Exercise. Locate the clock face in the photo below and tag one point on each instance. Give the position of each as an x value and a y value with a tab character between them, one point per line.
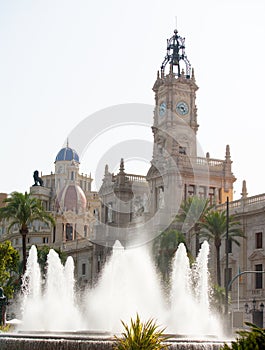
182	108
162	109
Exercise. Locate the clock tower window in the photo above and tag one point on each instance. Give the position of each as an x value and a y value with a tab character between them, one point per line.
182	150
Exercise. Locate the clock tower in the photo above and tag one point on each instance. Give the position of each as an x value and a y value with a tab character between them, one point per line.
175	94
177	172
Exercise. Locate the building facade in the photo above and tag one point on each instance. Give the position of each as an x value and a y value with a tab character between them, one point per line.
246	262
129	207
67	195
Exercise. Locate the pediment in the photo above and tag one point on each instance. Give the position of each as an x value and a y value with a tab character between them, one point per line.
257	255
69	215
152	172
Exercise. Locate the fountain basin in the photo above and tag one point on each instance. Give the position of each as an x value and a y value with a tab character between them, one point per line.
89	341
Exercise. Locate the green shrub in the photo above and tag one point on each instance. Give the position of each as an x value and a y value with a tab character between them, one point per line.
5	328
254	339
141	336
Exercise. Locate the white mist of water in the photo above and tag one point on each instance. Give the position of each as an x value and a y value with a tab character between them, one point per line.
129	284
50	306
189	311
31	288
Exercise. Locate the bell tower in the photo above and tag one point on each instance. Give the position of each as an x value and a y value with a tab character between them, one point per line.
175	116
177	172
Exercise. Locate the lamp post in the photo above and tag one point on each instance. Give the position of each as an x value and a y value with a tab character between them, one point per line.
226	256
257	314
3	303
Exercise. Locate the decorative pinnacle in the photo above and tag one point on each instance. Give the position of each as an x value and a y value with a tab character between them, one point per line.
227	152
106	170
244	193
122	166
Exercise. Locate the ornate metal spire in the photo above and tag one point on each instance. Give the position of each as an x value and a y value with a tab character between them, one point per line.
176	54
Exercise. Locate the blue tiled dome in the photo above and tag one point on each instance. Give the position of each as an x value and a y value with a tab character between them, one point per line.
67	153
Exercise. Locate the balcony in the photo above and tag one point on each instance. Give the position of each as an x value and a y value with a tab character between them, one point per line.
253	202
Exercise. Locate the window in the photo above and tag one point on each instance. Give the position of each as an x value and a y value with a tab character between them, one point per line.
45	240
96	214
182	150
220	195
69	232
191	190
211	195
85	231
258	240
201	192
83	269
99	265
54	233
258	276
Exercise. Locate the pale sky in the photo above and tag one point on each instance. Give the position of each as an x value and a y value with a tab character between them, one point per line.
63	60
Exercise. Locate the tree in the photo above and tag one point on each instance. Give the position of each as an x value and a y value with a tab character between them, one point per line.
42	256
218	298
192	212
9	261
213	228
164	249
22	210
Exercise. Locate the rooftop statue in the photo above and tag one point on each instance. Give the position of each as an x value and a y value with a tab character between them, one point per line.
37	179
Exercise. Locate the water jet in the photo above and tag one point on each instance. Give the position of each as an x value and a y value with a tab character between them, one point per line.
53	313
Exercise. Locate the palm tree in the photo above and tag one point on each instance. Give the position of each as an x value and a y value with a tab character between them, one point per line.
218	298
43	253
22	209
214	227
164	248
192	212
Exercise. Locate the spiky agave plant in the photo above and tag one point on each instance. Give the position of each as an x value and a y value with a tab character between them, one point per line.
141	335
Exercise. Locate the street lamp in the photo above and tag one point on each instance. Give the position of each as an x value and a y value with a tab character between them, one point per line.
254	303
257	314
3	303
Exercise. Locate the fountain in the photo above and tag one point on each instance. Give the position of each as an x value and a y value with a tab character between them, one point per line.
53	314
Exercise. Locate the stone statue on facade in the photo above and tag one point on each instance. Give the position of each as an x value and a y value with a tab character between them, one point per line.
161	199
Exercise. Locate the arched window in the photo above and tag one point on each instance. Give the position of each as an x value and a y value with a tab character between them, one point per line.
69	232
